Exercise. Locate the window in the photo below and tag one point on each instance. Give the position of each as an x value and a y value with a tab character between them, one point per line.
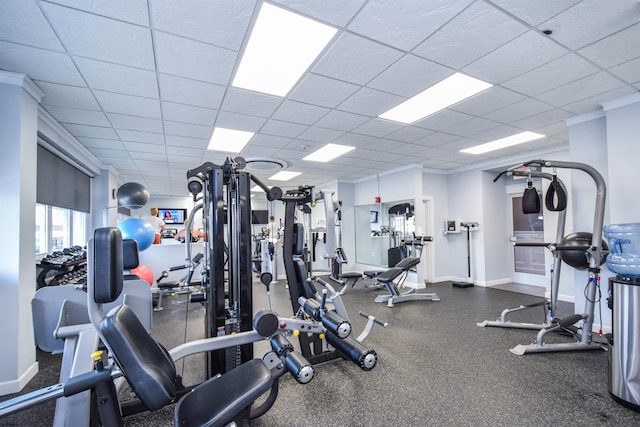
59	228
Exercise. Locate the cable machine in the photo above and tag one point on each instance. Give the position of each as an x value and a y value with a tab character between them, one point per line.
227	275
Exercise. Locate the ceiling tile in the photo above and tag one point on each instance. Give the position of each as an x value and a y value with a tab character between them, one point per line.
155	157
118	78
270	141
490	100
190	92
222	23
442	120
102	38
475	32
323	91
354	139
109	144
319	134
141	147
593	103
127	104
112	156
355	59
520	55
184	151
471	127
282	128
124	10
90	131
409	76
135	136
188	113
77	116
404	23
554	74
525	108
68	96
186	129
258	151
535	12
237	121
185	141
252	103
298	112
581	89
544	118
39	64
378	127
370	102
629	71
617	48
437	139
341	120
192	59
23	22
338	12
409	134
122	121
592	20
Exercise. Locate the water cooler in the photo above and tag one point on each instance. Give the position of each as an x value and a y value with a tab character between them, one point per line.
624	302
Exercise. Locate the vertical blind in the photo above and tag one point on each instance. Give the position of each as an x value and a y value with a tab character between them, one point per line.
60	184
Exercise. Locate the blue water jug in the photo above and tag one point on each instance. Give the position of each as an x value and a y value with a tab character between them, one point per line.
624	243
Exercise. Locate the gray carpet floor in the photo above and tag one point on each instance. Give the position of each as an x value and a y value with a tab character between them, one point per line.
435	368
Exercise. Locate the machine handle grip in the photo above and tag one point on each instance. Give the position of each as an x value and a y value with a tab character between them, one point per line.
366	316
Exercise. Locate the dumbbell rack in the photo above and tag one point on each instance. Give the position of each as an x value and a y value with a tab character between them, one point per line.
66	267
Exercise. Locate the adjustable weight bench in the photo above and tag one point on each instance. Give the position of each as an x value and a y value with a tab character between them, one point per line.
394	278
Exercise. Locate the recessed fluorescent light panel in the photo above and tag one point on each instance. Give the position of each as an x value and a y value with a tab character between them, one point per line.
516	139
229	140
281	48
284	176
449	91
328	152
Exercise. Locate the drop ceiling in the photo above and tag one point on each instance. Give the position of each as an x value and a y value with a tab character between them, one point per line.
142	84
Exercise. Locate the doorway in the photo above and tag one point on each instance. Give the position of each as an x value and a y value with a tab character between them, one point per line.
528	262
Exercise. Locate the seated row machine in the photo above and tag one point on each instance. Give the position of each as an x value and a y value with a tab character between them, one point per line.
394	278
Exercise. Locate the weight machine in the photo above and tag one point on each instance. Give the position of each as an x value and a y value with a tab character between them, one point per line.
227	275
304	297
589	249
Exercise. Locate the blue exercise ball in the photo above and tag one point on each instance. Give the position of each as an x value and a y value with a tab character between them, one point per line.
139	230
132	195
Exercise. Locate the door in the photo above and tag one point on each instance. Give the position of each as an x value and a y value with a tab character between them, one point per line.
528	261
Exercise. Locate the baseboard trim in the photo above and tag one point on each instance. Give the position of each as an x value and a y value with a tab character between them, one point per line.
14	386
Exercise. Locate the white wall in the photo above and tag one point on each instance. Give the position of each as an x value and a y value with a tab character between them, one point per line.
466	204
19	99
436	187
623	152
588	145
495	248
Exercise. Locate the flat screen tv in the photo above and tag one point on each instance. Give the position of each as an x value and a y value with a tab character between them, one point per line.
173	216
374	216
259	216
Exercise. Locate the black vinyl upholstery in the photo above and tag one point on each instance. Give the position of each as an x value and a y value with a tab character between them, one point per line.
389	275
224	397
408	263
130	259
298	239
146	364
307	289
107	265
